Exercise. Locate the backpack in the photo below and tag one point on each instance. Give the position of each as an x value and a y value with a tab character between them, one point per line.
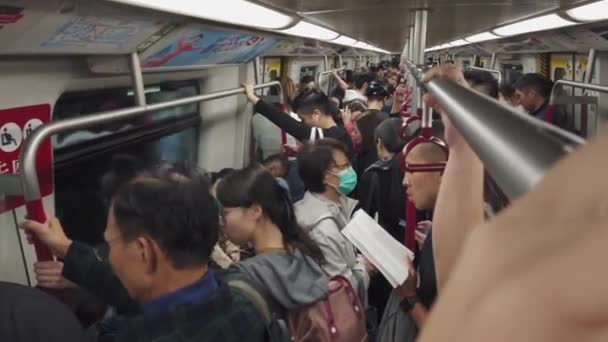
338	318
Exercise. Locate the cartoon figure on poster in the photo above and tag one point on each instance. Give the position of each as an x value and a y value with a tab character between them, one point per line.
206	47
185	43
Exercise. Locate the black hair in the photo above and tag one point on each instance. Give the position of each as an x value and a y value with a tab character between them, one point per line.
482	81
361	79
276	158
254	185
315	159
389	133
357	106
338	93
537	82
215	176
172	205
123	168
395	64
306	79
377	90
507	90
307	102
349	76
367	124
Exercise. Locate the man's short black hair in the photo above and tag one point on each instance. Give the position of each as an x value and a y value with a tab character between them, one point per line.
389	133
537	82
361	79
306	79
175	209
307	102
275	158
482	81
315	159
507	90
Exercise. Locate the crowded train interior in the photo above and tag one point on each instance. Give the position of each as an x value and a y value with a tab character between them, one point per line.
307	171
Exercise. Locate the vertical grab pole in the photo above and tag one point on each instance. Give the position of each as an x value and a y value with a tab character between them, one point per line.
420	31
138	81
585	107
493	61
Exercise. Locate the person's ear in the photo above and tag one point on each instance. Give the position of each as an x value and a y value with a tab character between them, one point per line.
147	253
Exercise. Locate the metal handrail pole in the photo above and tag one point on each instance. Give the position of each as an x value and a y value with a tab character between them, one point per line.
501	136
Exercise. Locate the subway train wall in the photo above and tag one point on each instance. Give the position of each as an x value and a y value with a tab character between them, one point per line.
26	81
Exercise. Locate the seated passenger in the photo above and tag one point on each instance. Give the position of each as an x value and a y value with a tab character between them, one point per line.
364	137
225	253
409	305
29	315
161	230
482	81
277	167
315	110
325	209
534	92
257	210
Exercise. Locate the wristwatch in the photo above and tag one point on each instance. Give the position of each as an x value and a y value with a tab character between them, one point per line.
408	303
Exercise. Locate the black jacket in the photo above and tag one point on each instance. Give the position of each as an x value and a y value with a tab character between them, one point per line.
29	315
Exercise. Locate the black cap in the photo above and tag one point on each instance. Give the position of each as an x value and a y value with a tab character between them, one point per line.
376	89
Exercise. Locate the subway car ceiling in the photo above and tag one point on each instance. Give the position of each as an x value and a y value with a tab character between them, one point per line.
157	29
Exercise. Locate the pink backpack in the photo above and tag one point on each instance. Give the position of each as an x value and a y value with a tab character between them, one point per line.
338	318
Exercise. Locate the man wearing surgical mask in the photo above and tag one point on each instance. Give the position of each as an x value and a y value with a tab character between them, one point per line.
325	209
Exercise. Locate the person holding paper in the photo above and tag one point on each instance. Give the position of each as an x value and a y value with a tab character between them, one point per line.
325	210
408	305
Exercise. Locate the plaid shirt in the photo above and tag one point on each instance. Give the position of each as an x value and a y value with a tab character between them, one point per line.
226	316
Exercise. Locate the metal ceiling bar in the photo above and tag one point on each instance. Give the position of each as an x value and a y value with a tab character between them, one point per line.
492	71
27	158
587	86
323	73
501	136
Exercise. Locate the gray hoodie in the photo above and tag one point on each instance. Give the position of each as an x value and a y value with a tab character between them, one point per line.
324	220
292	279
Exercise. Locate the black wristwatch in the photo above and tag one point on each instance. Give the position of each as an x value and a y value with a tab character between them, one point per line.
408	303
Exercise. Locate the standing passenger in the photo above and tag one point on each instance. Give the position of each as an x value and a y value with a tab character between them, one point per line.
161	229
257	210
325	210
364	136
409	305
315	110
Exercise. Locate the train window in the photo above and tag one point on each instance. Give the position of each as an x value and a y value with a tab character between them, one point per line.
83	158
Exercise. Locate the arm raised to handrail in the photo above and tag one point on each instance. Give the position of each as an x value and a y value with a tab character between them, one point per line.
323	73
492	71
515	148
27	158
588	86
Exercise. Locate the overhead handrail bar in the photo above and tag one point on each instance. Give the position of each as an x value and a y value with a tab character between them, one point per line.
323	73
27	158
492	71
587	86
515	148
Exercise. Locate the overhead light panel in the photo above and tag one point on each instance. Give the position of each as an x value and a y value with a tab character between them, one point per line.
481	37
237	12
344	40
434	48
308	30
360	45
591	12
459	42
546	22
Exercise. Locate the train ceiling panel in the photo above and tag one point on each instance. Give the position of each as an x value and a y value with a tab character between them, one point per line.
385	23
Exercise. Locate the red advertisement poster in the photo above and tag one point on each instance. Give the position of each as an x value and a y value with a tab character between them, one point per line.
16	124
